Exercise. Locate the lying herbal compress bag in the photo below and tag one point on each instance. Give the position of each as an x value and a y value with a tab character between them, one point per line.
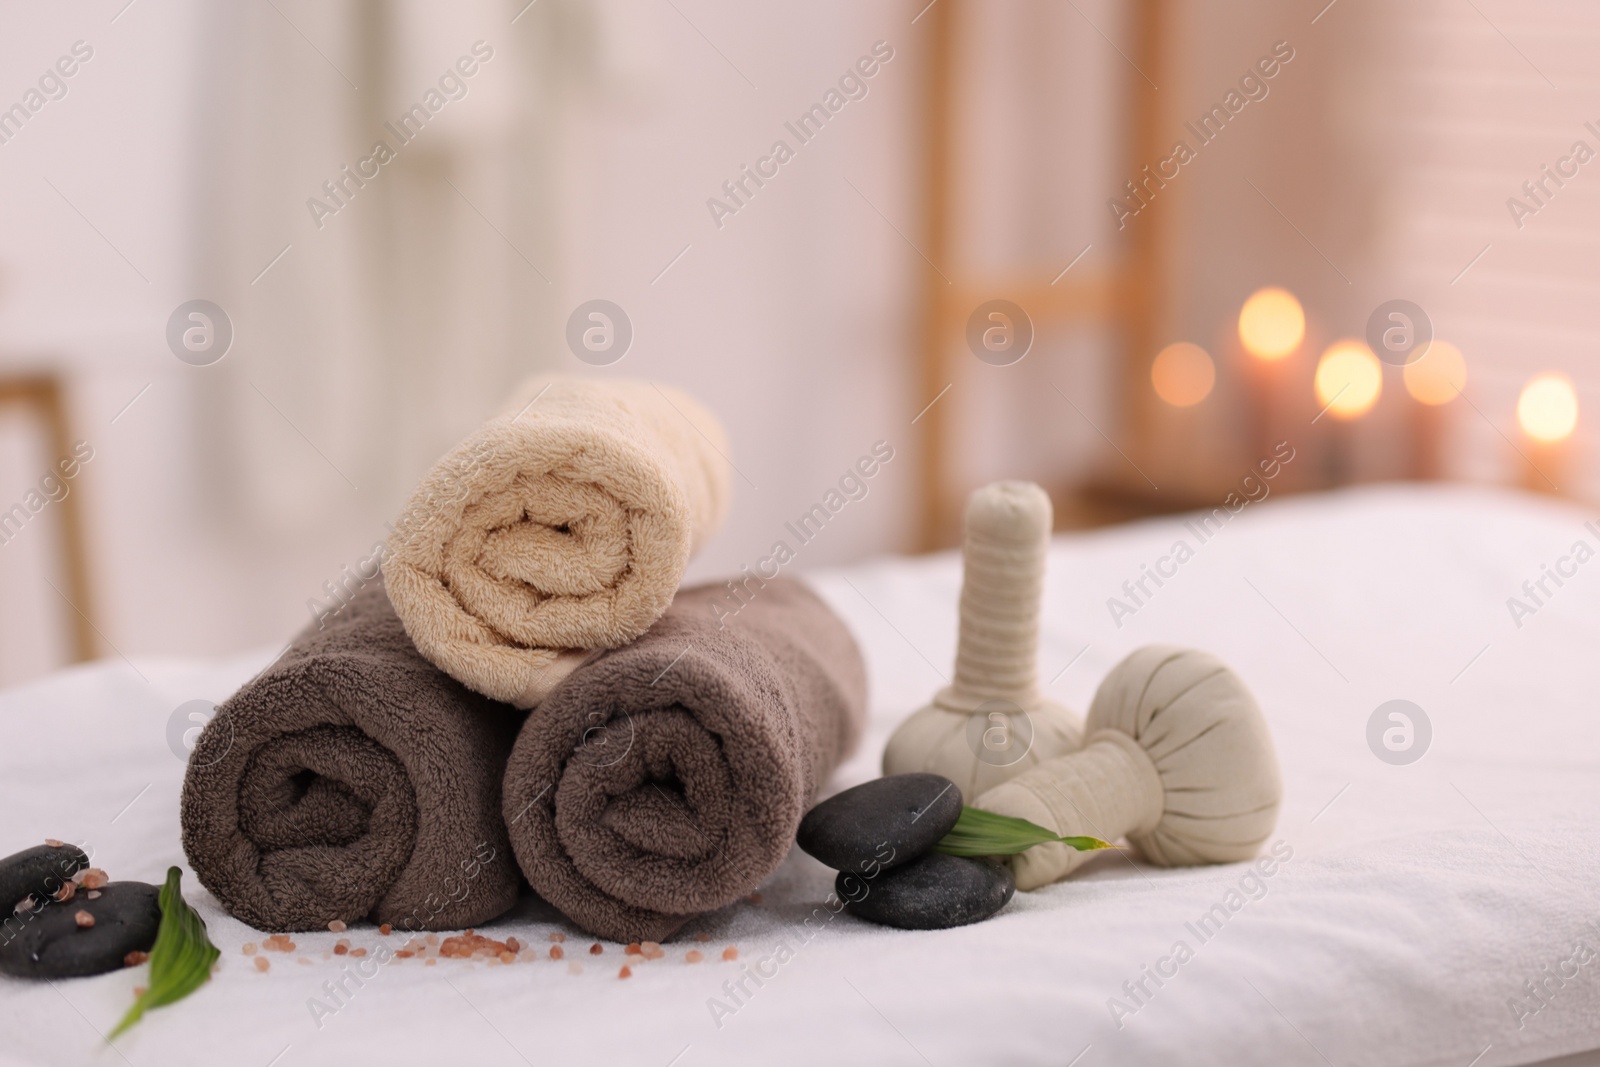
1178	759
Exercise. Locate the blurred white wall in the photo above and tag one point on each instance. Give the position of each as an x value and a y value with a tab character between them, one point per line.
222	499
178	164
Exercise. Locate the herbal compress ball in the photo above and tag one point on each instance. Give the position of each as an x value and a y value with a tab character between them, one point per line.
991	723
1178	760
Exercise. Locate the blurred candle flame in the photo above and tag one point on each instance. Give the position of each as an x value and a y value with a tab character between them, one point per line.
1271	324
1547	410
1349	379
1439	376
1183	374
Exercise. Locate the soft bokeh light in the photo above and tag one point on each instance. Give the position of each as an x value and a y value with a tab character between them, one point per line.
1439	376
1349	379
1271	324
1547	410
1183	374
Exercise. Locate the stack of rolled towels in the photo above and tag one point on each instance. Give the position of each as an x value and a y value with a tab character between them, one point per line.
528	695
529	698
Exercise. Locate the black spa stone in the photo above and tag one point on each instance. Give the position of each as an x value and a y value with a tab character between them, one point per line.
881	824
932	893
49	943
37	872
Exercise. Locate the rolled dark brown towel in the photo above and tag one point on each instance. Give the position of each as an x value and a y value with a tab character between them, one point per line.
352	779
666	778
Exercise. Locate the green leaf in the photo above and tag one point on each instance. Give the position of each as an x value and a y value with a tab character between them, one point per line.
180	960
983	833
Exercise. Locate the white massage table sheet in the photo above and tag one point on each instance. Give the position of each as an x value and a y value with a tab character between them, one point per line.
1417	901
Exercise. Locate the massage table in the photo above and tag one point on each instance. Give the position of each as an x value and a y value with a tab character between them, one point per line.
1413	909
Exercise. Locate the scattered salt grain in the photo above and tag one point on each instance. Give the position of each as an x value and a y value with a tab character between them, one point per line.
83	919
262	963
134	958
693	956
626	972
52	842
248	948
595	949
338	926
730	953
555	952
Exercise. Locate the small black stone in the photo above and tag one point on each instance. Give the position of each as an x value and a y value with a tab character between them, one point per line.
882	823
48	942
932	893
37	872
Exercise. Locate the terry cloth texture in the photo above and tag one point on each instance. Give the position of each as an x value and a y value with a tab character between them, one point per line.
352	779
667	778
562	526
1179	760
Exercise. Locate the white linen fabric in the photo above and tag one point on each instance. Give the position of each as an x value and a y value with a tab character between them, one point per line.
1394	917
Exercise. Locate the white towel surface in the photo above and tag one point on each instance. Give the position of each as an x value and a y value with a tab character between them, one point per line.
1416	902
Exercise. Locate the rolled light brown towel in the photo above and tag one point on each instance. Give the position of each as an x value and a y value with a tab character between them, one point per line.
667	778
352	779
562	526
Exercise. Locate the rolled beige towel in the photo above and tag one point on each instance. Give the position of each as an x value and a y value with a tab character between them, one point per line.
561	527
1178	760
992	723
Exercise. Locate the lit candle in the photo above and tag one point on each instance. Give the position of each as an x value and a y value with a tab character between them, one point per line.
1547	411
1272	326
1433	380
1348	382
1183	374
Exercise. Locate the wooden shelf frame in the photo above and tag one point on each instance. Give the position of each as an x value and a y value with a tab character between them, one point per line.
1131	300
43	396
